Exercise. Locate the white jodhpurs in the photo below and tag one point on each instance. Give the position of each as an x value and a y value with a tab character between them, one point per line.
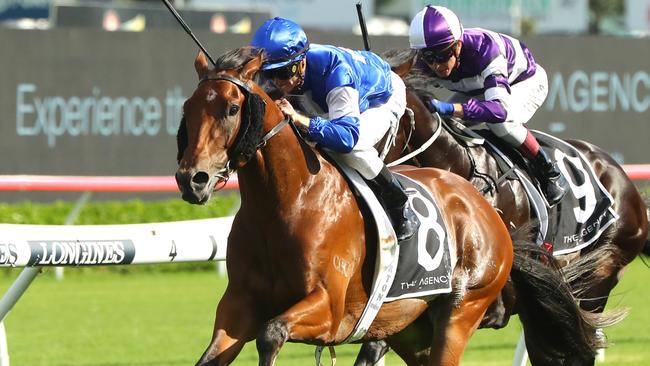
525	98
373	125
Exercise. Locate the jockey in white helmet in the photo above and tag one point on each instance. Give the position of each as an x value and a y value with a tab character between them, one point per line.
495	79
362	98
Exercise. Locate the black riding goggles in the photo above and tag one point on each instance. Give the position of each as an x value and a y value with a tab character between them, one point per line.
282	73
437	54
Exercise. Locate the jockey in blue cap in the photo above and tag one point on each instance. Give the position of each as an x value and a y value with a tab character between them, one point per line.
496	80
363	98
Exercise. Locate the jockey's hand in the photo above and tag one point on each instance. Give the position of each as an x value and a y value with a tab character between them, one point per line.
442	108
301	122
286	107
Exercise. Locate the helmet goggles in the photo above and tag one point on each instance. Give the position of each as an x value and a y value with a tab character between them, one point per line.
283	73
437	55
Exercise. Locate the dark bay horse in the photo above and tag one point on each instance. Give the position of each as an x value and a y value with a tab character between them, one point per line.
616	248
298	266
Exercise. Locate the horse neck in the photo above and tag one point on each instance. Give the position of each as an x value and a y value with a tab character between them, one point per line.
457	155
279	171
445	152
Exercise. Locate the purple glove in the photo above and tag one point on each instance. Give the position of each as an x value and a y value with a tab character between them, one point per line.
442	108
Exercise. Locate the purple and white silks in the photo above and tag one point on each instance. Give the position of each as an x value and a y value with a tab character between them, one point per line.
489	64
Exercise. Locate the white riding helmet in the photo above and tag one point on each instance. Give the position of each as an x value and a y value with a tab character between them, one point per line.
434	27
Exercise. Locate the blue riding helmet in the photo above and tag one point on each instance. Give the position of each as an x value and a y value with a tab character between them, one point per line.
283	40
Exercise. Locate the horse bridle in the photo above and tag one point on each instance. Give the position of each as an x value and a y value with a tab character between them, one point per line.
224	173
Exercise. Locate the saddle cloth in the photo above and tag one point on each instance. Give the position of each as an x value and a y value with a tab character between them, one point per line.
584	212
424	265
418	267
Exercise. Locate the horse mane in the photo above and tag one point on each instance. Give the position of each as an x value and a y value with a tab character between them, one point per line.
237	58
421	82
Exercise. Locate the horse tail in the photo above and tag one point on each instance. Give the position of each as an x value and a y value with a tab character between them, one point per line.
553	322
646	247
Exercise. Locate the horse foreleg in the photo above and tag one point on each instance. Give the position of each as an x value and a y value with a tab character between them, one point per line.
308	320
235	324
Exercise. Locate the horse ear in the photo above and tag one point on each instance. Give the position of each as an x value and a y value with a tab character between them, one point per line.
251	67
201	65
404	68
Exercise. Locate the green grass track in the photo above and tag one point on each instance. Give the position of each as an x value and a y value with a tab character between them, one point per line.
163	314
165	318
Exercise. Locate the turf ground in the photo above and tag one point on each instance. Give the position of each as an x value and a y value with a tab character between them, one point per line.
165	318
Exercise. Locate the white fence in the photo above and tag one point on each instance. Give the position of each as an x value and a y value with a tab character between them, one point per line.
35	246
83	245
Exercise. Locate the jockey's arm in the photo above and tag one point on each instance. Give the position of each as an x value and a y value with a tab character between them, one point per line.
493	108
341	131
301	121
458	111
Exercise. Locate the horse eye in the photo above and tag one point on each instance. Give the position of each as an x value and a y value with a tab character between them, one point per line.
233	110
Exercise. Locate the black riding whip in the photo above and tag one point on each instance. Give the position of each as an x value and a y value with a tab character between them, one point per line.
362	24
187	29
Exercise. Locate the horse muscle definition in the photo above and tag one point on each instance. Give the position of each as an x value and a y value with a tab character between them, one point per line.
616	248
299	219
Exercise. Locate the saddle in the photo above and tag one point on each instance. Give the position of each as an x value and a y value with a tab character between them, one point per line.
584	213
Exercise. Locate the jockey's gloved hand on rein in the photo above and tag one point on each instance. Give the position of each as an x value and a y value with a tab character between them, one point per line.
442	108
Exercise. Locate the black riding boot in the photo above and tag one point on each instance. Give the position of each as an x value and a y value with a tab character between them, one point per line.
549	176
392	196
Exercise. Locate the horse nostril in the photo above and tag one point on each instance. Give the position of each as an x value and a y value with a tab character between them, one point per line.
200	179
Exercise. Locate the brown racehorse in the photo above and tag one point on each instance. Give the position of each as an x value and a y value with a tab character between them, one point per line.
617	247
298	266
